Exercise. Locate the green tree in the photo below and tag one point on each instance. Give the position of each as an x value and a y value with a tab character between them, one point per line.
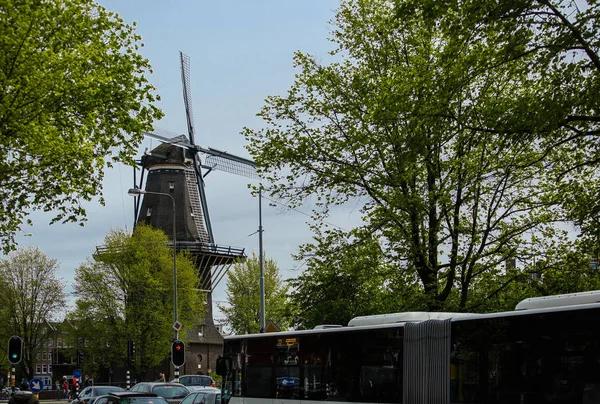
242	312
346	279
74	97
400	122
555	105
125	291
32	296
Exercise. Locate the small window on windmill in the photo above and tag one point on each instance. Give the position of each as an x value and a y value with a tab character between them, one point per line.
201	331
171	185
149	211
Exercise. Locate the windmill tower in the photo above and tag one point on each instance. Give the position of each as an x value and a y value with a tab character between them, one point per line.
175	167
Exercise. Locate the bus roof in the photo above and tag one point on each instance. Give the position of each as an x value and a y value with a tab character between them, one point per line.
569	299
406	317
526	307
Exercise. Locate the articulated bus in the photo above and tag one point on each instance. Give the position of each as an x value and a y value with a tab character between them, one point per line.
546	351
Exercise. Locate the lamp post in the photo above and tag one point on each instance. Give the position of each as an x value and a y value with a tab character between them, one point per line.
138	192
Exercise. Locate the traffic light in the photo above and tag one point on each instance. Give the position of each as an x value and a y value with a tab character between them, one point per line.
178	353
15	350
80	357
130	351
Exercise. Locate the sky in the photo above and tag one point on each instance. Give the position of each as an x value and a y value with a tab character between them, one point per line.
241	52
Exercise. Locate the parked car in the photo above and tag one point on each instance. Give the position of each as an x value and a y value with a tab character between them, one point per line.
128	397
172	392
212	396
89	394
195	382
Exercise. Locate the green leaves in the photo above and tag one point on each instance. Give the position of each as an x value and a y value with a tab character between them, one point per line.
456	127
242	312
126	291
73	97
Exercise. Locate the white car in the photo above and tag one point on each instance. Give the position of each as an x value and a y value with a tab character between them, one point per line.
197	382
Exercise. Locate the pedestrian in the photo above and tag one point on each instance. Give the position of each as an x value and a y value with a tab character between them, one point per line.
58	389
65	387
161	378
24	396
87	382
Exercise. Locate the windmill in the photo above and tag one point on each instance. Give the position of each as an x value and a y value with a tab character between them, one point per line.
175	167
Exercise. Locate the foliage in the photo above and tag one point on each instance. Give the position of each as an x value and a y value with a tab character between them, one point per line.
32	296
346	279
73	97
125	291
242	312
455	133
555	104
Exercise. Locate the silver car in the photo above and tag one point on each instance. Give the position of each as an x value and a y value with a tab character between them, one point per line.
172	392
212	396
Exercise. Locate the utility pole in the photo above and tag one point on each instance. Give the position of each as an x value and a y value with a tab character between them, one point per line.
262	264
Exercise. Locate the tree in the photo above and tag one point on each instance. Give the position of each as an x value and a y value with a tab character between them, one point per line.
31	297
74	97
554	105
401	122
242	312
125	291
344	280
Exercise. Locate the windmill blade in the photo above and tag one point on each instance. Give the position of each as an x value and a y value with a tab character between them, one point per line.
175	139
187	94
223	161
187	100
215	159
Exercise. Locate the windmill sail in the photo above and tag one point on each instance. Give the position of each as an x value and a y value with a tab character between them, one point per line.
187	101
215	159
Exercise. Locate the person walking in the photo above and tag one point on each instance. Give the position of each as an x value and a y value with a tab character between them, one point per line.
24	396
65	388
58	389
87	382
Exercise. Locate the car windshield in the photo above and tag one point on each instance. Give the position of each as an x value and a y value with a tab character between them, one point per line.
143	400
195	380
103	391
170	391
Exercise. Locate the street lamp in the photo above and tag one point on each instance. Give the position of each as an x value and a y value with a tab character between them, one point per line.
138	192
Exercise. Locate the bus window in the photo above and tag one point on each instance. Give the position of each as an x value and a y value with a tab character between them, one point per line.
258	368
287	375
314	367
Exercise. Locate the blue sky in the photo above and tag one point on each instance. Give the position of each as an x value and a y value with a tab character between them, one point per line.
241	52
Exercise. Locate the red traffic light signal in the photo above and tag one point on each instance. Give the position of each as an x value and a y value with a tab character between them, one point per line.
178	353
15	349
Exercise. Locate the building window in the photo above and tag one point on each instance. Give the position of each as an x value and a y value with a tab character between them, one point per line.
171	185
38	356
201	331
44	369
38	369
149	211
49	368
44	356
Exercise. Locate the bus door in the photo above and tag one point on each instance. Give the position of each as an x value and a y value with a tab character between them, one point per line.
287	370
